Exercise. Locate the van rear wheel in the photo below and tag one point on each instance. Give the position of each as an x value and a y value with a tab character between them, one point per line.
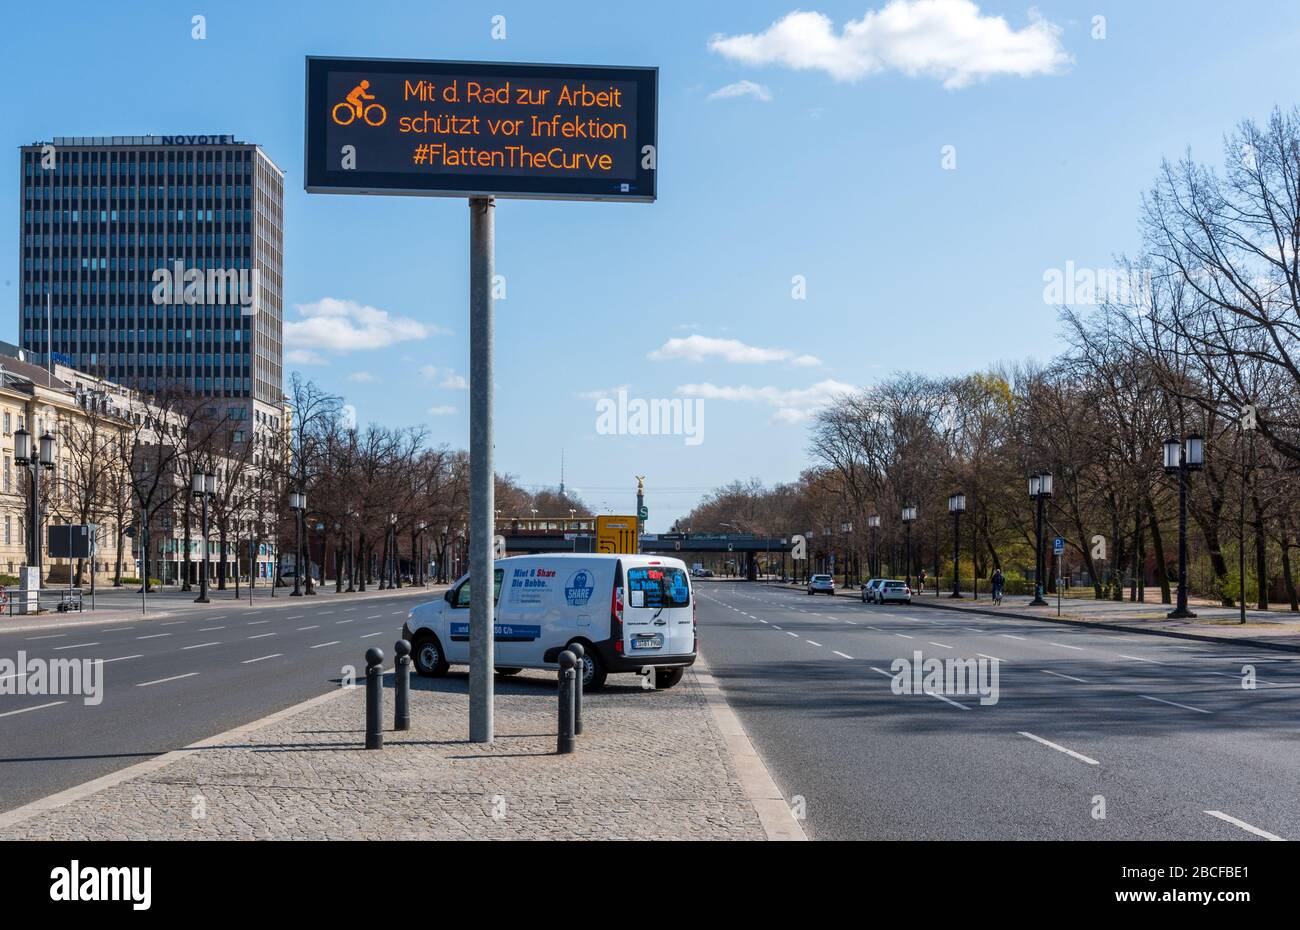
593	670
667	677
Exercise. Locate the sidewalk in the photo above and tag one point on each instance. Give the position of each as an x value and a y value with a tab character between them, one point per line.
649	765
1271	629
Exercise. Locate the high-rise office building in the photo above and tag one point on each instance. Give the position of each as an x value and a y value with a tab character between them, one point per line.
157	262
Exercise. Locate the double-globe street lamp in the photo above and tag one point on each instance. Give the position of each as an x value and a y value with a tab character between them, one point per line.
24	455
1182	457
909	517
298	504
204	485
956	507
1040	491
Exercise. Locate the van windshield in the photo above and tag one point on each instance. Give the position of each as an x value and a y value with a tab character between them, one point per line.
655	587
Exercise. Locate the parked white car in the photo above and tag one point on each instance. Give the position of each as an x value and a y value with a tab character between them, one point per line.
629	612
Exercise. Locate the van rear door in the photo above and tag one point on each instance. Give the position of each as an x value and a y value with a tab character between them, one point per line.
658	614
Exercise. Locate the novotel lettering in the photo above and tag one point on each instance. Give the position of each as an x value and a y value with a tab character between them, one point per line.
198	140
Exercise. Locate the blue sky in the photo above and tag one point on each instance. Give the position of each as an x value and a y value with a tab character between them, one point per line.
830	169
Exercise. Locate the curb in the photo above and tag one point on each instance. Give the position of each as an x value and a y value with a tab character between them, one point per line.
1093	625
774	813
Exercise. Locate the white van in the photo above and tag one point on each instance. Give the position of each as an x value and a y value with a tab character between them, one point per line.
630	612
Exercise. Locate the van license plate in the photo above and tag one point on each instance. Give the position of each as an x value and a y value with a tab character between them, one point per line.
648	641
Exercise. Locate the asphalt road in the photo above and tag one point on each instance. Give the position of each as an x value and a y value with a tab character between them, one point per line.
170	681
1160	731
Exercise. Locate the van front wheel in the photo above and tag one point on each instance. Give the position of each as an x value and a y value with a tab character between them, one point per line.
593	670
429	660
667	677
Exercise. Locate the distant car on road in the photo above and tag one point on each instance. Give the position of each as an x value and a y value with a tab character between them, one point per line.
869	590
896	591
821	584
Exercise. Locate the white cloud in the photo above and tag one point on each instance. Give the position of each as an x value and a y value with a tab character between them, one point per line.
742	89
949	40
445	410
792	404
697	348
340	326
362	377
303	357
454	382
428	372
601	393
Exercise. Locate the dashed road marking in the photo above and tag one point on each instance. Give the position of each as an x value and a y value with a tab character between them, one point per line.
1227	818
10	713
331	643
274	655
159	681
1199	710
840	654
153	636
199	646
812	642
261	635
75	646
1048	671
940	645
1059	748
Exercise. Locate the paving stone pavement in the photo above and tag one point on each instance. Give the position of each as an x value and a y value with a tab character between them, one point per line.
650	765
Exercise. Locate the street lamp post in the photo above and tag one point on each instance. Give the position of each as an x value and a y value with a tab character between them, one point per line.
352	556
956	507
1040	490
203	485
1182	457
873	521
909	517
297	503
424	562
24	455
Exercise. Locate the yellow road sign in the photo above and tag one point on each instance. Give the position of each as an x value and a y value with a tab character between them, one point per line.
616	534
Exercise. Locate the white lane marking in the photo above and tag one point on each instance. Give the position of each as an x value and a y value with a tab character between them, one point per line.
1138	659
788	633
261	635
1009	636
153	636
75	646
972	629
274	655
904	636
1064	646
1059	748
199	646
840	654
985	655
374	616
296	617
812	642
159	681
1245	826
209	629
368	635
51	636
348	609
936	694
775	627
331	643
940	645
345	621
174	623
1048	671
315	626
1199	710
854	622
876	628
881	671
10	713
138	655
256	622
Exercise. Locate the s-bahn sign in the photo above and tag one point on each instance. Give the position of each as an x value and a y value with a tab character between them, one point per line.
465	129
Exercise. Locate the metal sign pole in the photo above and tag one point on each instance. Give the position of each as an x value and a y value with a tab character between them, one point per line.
481	493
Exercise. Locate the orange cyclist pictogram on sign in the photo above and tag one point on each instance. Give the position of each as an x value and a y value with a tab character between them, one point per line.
356	108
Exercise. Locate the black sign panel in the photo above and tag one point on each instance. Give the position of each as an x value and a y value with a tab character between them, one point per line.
459	129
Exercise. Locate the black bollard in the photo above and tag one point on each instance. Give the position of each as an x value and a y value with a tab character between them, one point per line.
564	743
374	698
402	686
578	653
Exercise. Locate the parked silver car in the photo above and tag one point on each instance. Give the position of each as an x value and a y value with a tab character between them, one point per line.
869	590
821	584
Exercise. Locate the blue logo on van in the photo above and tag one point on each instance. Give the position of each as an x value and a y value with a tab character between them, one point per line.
577	590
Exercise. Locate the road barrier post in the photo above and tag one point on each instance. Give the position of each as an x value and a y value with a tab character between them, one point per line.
578	653
374	698
402	686
564	742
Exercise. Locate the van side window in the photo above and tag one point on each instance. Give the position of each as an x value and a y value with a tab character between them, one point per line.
462	593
